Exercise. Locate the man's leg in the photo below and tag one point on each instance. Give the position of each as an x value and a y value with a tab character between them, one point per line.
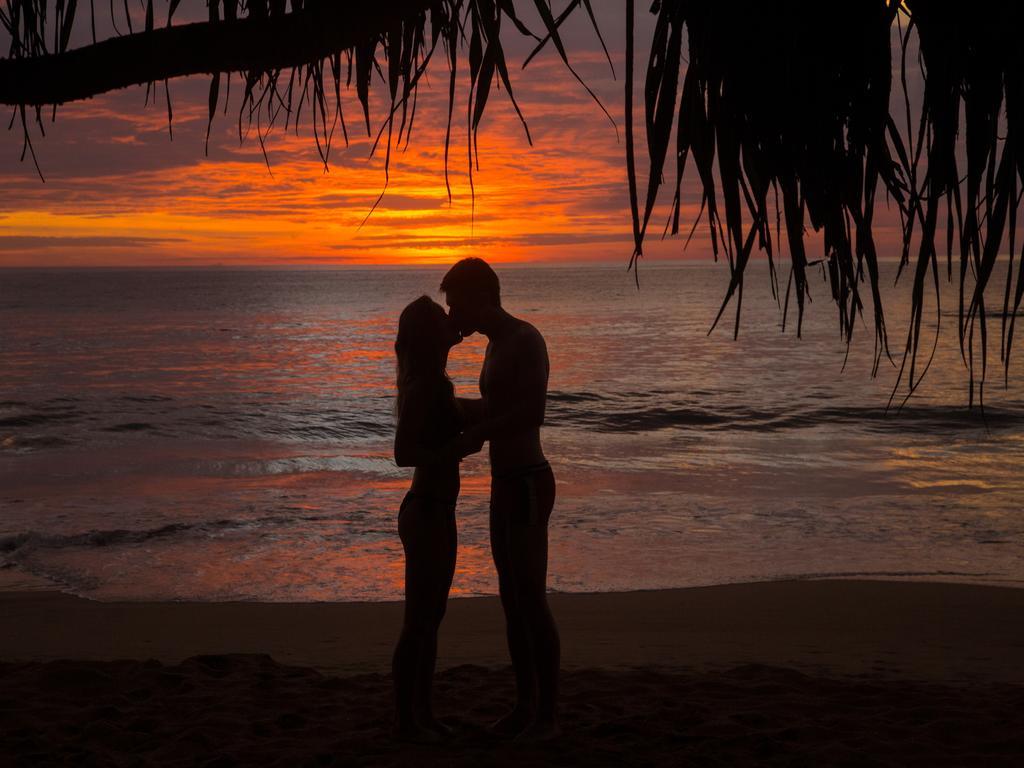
528	554
503	504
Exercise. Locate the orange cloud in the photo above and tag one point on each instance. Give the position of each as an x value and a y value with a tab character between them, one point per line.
120	191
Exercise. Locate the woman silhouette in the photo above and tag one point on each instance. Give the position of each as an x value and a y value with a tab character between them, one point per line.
427	438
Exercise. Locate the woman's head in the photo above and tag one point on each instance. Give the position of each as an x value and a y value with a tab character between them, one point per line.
425	335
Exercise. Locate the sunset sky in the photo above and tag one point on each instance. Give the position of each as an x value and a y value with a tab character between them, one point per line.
119	191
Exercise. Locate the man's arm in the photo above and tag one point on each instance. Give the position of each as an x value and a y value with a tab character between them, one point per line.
472	409
411	450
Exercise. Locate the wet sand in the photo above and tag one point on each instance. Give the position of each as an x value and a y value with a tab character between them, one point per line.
802	672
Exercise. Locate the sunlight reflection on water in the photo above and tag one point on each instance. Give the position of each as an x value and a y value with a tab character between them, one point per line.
227	435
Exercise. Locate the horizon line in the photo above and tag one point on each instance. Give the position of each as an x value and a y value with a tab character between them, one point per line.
339	266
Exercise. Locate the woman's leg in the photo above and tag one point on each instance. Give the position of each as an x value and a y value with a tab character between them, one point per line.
413	524
444	543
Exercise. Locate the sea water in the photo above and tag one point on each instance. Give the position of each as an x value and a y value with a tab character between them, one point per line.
226	435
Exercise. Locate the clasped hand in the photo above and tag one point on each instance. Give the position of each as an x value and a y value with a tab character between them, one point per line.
469	442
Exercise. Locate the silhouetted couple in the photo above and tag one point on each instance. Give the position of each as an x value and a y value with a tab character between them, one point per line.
436	430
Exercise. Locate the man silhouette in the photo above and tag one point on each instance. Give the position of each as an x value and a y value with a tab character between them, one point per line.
513	385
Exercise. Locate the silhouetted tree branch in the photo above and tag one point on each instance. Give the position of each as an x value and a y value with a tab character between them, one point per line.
251	43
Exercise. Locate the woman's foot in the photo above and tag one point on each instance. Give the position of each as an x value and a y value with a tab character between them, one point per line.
512	724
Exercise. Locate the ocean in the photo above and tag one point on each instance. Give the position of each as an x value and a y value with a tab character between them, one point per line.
219	435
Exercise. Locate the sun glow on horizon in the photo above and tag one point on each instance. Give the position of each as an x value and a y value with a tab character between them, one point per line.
120	192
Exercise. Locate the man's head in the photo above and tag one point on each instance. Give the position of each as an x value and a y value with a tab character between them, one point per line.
472	292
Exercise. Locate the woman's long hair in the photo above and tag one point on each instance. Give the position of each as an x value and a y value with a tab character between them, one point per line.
420	347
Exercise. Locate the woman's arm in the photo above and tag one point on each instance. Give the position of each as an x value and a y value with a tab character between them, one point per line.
414	446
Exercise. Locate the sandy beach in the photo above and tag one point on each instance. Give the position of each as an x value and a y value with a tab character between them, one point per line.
802	672
264	375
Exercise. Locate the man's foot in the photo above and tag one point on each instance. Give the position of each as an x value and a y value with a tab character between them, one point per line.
437	726
511	725
539	732
416	734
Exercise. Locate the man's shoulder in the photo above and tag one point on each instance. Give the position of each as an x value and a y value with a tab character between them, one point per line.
530	344
528	334
525	339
